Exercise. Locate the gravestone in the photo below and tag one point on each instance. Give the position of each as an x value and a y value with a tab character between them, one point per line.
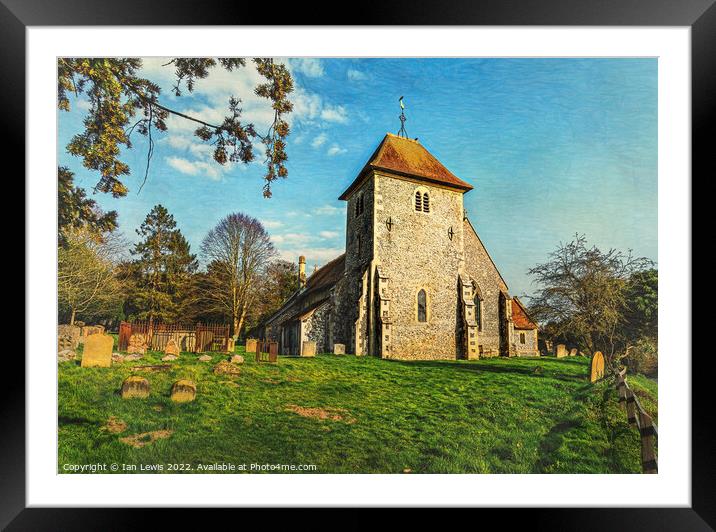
135	387
135	356
251	345
137	344
573	352
171	348
309	349
561	351
168	358
65	343
68	337
230	345
117	357
183	391
597	367
205	358
237	359
90	330
98	351
226	368
66	355
339	349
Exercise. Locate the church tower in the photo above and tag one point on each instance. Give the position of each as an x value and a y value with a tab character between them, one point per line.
406	291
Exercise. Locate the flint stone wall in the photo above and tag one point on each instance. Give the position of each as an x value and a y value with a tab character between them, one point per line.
416	254
315	327
529	348
479	268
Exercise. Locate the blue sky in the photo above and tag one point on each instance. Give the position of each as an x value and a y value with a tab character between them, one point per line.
552	147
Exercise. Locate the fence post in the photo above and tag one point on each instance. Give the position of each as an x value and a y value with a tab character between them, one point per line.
648	451
631	406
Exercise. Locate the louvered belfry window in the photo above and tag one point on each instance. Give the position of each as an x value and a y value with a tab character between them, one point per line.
426	202
418	201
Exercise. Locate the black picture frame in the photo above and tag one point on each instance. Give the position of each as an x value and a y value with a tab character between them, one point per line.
699	15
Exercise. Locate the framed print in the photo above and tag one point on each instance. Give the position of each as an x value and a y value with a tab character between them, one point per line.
381	265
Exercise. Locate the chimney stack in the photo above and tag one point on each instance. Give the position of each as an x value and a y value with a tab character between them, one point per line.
301	271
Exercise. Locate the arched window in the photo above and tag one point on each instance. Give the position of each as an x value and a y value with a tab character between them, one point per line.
422	306
418	201
426	202
478	305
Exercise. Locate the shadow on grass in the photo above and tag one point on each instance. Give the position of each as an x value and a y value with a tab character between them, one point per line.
66	420
553	441
528	371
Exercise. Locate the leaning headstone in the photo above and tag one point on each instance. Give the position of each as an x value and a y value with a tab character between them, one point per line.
135	387
573	352
309	349
171	348
98	351
137	344
183	391
596	367
339	349
237	359
561	351
251	345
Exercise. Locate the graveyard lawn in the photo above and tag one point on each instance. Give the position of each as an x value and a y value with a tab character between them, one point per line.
345	414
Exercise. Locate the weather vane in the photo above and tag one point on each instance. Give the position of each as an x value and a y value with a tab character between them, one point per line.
402	132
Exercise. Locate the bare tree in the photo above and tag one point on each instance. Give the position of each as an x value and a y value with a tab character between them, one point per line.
583	294
86	278
237	251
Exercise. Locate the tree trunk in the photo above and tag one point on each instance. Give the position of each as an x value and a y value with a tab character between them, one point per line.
240	323
237	326
72	317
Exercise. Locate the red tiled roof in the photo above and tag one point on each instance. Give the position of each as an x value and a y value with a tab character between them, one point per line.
520	318
410	158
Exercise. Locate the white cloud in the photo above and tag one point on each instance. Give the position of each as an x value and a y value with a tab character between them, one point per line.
328	234
272	224
335	149
310	107
310	67
185	166
328	209
334	114
355	75
83	104
319	140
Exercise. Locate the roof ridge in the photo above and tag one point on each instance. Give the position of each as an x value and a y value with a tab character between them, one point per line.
410	159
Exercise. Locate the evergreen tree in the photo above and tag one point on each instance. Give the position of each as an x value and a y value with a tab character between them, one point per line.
162	269
75	211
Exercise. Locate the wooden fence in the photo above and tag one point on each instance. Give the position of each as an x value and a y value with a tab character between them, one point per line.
266	351
197	338
636	415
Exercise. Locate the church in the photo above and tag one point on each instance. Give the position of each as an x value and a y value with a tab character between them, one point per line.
415	281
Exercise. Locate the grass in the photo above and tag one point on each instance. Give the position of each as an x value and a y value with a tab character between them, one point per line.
347	414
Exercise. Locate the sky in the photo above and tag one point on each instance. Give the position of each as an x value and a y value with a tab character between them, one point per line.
552	147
